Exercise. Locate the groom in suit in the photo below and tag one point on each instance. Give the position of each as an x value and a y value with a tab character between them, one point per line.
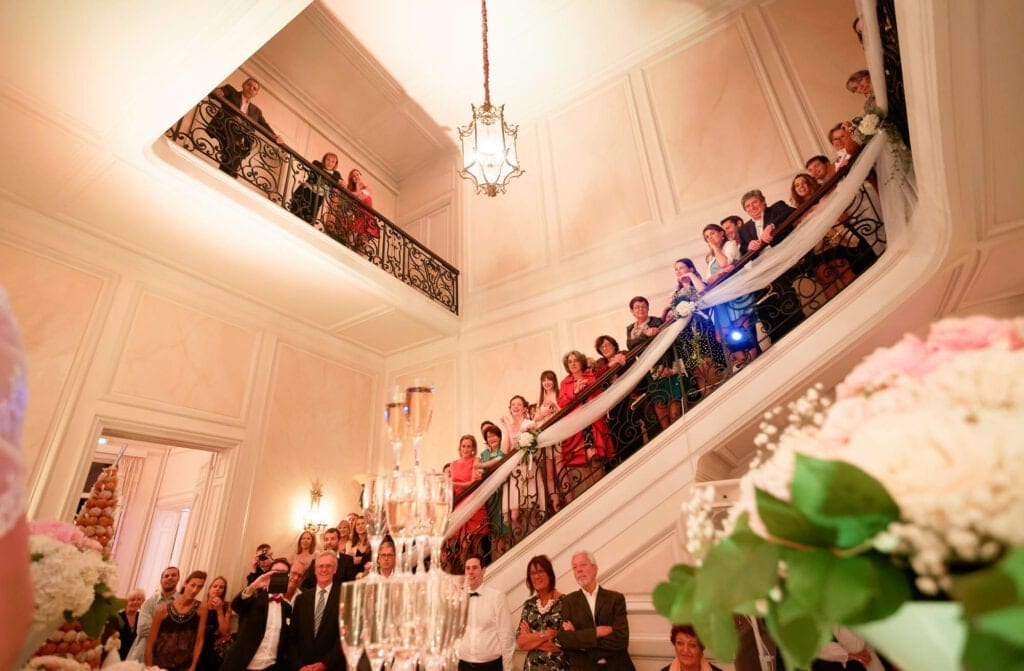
595	632
315	634
263	620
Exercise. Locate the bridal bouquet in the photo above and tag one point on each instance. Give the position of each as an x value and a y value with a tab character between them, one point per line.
909	486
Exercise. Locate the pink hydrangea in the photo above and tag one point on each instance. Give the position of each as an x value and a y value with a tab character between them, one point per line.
59	531
909	356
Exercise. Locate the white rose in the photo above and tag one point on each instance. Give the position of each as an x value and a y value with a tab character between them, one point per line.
869	124
684	309
526	439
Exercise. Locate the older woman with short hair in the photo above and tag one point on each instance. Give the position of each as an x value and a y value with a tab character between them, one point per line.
587	450
689	651
541	619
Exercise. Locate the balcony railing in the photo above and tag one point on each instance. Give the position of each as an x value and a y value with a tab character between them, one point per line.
219	131
536	491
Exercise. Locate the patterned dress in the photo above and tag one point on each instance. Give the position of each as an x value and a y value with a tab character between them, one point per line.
176	643
699	349
539	618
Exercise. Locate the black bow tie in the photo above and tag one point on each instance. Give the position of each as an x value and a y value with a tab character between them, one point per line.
474	593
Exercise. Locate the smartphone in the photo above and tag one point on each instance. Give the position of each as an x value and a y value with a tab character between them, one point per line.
278	583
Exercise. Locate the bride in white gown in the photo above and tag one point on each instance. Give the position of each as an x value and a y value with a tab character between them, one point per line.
16	606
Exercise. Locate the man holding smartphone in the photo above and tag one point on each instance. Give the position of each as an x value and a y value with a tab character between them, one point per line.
263	615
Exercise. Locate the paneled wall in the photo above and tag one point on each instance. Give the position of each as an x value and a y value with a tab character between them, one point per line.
619	183
121	344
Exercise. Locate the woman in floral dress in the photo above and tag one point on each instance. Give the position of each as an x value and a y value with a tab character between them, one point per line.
698	345
541	619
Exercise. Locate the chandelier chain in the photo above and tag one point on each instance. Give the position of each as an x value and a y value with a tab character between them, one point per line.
487	63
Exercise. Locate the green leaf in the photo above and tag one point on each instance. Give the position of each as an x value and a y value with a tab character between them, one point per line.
799	637
984	591
103	607
983	652
674	601
1006	624
829	586
889	589
718	633
783	520
736	572
843	497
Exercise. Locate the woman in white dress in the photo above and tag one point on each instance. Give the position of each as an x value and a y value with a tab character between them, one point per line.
16	606
526	491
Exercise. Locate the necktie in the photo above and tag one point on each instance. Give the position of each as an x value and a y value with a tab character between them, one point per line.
318	614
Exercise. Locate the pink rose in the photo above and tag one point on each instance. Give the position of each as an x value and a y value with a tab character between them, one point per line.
59	531
908	356
978	332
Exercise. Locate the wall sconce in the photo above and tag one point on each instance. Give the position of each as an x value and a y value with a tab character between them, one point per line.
314	521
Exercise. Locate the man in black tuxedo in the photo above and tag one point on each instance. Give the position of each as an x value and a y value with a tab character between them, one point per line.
315	639
233	132
595	631
262	641
778	306
347	569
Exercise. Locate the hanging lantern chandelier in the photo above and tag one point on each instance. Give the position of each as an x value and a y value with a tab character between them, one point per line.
489	143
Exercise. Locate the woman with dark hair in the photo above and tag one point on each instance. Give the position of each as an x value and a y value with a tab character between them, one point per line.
829	258
541	619
586	451
178	630
547	403
735	320
623	421
699	349
689	651
357	545
309	196
664	391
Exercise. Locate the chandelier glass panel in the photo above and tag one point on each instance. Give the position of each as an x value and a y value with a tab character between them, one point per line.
489	156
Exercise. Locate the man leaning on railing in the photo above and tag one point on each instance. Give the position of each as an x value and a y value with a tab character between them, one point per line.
234	135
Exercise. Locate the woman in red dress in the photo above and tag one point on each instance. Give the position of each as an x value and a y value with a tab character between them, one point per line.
582	455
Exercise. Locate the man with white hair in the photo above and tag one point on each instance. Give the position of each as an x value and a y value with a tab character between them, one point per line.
595	631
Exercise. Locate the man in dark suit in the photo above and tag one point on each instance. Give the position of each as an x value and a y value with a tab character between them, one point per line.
595	631
347	569
233	132
778	306
262	641
315	640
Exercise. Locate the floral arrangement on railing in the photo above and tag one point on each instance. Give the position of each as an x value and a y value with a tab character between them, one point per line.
876	121
906	488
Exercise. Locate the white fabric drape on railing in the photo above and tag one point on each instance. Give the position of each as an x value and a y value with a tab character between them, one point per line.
756	275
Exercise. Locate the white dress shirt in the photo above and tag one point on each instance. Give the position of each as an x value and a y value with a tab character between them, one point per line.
489	632
266	655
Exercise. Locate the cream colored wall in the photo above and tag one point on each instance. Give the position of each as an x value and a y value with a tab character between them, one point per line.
121	343
621	181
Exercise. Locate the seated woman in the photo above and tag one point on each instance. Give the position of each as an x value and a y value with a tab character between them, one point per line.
586	451
699	349
309	195
734	320
689	651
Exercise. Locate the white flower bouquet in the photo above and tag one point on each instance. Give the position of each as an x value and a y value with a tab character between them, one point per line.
907	487
70	581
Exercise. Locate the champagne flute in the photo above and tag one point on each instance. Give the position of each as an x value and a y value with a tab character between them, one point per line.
439	506
375	515
353	621
402	507
395	413
419	399
376	628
